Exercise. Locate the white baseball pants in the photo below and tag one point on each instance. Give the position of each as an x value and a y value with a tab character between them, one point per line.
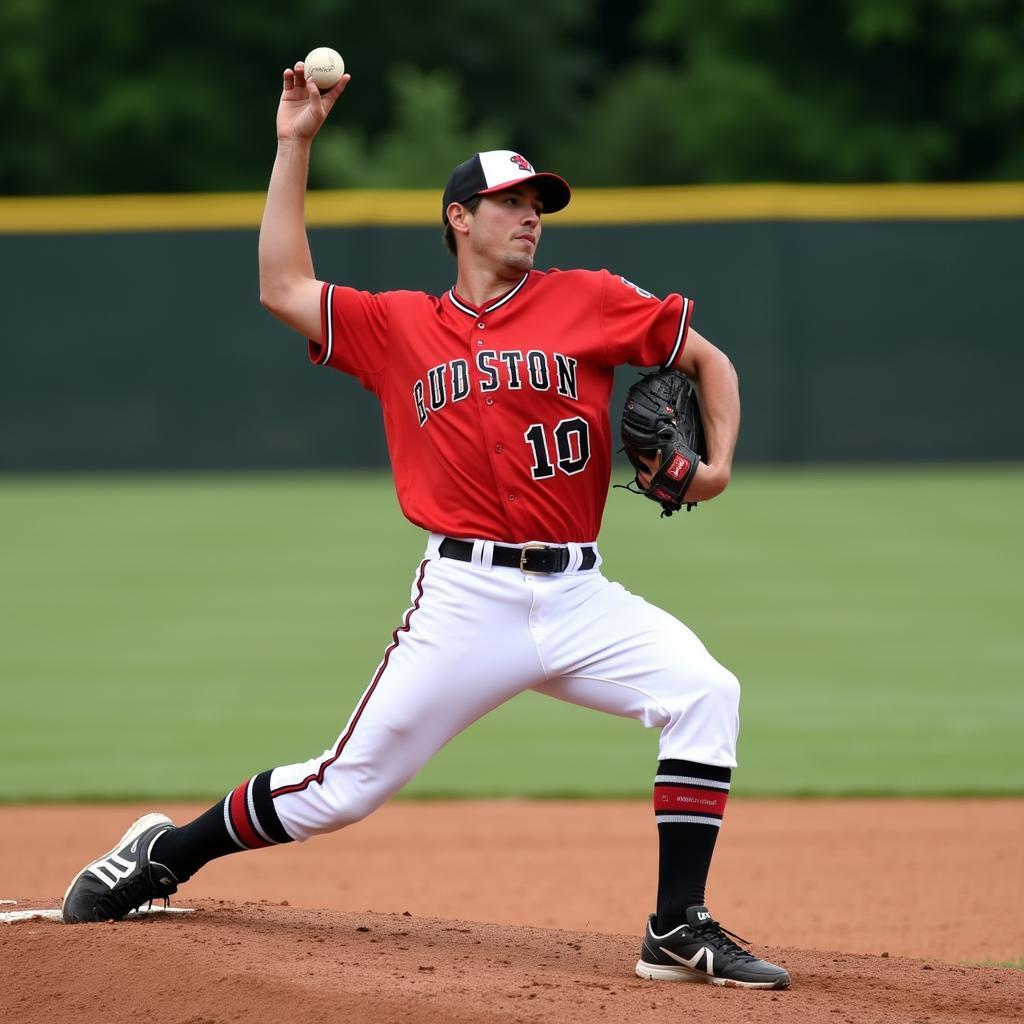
477	635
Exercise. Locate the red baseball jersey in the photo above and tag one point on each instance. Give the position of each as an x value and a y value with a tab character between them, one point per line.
497	418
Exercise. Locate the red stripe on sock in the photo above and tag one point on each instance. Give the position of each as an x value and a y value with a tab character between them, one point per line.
688	800
240	819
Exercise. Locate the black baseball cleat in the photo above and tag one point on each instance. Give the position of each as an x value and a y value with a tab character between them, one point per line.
124	879
702	950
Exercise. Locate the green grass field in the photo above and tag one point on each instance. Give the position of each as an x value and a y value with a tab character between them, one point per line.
165	636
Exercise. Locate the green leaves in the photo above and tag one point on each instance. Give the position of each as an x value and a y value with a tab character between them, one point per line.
760	90
154	95
431	132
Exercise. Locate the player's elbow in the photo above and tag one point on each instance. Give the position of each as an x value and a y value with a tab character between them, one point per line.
717	363
295	304
271	298
279	291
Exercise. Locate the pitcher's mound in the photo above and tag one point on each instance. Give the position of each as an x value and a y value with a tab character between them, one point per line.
263	962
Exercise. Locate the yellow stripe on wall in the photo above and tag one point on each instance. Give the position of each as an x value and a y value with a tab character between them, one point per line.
421	207
795	202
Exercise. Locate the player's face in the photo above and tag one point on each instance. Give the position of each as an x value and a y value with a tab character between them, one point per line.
505	229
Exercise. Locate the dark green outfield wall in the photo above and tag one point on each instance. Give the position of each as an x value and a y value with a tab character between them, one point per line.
854	340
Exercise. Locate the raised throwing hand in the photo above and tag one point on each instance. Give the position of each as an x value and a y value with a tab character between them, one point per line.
303	108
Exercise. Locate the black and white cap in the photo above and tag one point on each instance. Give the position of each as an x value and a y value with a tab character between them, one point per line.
498	169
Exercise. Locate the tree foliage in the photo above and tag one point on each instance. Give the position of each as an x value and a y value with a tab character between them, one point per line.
799	90
176	95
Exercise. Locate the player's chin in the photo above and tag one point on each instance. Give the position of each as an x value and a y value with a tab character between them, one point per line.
521	261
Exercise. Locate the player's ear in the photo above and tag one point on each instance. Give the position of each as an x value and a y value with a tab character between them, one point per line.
459	218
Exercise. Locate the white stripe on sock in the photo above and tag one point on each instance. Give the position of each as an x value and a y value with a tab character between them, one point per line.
688	780
689	819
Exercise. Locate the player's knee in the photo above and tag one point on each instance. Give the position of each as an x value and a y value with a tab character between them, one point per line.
724	688
728	686
717	693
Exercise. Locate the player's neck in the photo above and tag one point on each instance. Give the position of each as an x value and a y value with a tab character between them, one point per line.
479	285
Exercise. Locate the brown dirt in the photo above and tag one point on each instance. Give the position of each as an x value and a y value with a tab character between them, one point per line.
904	890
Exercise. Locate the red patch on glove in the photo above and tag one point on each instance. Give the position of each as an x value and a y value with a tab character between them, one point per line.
678	467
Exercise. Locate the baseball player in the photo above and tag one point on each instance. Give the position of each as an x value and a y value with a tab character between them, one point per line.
495	399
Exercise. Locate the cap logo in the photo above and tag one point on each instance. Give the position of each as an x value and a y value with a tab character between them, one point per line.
522	163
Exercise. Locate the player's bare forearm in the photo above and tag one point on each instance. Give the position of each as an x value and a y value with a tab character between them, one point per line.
718	385
284	256
288	285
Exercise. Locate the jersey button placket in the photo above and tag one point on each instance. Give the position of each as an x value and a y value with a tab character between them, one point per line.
499	447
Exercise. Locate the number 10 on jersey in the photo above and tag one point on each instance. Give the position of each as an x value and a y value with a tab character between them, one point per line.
567	448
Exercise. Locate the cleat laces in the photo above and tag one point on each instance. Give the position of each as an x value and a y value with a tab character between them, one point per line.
721	939
131	895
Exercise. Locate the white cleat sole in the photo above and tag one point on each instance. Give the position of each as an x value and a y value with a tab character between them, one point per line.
136	830
657	972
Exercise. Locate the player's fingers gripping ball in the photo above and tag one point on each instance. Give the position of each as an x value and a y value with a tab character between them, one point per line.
661	416
325	66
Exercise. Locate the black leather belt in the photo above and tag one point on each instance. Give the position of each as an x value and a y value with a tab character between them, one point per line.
538	558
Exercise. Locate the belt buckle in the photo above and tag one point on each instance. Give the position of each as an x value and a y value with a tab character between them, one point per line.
522	559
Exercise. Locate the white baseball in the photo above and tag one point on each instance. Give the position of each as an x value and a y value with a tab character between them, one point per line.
324	66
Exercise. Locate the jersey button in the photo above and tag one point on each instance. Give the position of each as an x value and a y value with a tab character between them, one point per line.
481	325
511	497
490	401
499	448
